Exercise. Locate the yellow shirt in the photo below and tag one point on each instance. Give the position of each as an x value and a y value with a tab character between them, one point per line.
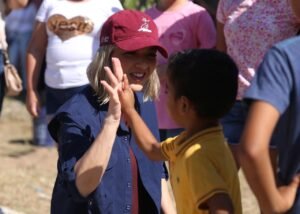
201	167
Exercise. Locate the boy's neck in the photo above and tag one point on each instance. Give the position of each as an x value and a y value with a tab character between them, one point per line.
194	128
170	5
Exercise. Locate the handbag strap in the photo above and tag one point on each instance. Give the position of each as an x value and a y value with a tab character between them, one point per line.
5	57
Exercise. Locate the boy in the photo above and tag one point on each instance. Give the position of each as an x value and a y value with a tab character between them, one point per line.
181	25
201	87
275	113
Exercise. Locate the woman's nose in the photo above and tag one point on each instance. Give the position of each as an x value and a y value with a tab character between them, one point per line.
142	64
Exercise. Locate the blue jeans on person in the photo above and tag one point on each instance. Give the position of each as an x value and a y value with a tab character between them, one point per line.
54	99
17	48
234	121
2	81
41	136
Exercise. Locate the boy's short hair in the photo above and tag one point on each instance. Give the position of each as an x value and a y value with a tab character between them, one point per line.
208	78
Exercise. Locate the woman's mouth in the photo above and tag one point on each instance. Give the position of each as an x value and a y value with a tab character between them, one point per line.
137	76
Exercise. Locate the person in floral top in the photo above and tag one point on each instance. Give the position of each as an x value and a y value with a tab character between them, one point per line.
246	30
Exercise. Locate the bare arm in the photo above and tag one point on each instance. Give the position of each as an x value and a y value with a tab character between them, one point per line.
90	168
167	203
255	160
34	59
220	204
15	4
296	7
143	135
141	132
221	42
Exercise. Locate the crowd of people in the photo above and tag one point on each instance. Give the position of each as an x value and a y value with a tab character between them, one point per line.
178	92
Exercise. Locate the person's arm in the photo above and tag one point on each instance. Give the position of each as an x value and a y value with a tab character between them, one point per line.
90	168
220	204
167	203
295	4
34	59
221	42
255	160
141	132
15	4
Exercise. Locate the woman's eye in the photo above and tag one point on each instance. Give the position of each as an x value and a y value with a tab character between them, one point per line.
129	53
152	54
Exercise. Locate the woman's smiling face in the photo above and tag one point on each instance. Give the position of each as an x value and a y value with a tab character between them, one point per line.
137	65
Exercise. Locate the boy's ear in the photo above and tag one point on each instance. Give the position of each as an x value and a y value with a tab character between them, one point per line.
184	104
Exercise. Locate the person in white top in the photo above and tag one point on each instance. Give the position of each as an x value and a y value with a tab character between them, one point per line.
66	34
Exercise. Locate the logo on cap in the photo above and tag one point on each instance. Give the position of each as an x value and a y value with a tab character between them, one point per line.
145	26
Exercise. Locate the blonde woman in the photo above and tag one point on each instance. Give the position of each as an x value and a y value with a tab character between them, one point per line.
100	168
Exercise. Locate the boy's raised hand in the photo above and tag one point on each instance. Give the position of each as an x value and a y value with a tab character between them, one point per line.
126	97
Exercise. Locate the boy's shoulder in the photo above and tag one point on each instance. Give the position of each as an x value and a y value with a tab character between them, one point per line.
208	140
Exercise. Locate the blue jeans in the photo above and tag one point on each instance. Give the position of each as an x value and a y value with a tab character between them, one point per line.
17	47
233	122
2	81
41	136
56	97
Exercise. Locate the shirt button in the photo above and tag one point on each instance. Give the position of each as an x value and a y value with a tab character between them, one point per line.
125	138
128	207
128	184
128	160
90	202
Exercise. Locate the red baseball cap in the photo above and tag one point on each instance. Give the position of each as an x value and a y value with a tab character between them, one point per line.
131	30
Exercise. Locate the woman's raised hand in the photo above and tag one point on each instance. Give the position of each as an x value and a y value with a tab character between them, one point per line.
112	88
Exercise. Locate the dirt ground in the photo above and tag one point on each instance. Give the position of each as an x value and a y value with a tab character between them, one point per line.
27	172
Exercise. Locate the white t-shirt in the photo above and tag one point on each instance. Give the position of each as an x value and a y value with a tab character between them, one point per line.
3	44
73	30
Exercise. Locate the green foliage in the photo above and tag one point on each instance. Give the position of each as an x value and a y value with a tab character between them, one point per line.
137	4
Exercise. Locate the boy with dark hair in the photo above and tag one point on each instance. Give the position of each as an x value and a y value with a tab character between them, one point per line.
201	87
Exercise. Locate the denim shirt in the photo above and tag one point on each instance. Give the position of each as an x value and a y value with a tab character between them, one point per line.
75	126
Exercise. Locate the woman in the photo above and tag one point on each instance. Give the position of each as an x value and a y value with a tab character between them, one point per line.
100	168
66	34
246	29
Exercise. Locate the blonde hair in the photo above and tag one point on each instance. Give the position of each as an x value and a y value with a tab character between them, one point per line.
96	72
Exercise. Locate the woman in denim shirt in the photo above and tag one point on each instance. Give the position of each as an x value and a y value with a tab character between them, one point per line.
100	168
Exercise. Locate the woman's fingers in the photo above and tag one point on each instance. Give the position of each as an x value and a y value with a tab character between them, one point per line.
112	78
107	87
117	68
